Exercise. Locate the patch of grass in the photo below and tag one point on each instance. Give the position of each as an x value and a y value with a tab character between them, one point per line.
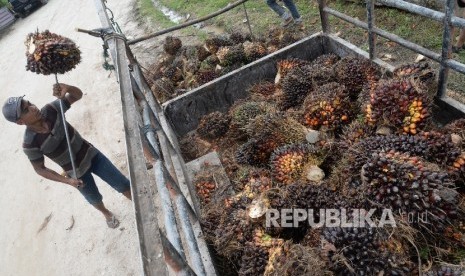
201	7
3	3
147	10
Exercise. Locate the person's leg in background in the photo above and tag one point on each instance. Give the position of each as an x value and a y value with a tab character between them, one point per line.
278	9
293	9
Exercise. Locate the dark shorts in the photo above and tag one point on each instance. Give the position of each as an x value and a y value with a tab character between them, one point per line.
103	168
461	3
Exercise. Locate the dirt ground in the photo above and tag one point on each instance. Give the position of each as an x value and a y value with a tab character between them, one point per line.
47	228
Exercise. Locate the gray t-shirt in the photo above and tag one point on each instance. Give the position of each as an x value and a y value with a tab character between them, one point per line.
54	145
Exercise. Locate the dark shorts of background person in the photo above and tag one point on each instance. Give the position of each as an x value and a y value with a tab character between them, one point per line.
461	3
103	168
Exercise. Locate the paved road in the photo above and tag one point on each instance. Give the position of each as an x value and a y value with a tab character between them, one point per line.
89	248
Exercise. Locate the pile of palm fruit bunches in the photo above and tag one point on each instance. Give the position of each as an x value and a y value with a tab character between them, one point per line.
335	133
180	68
49	53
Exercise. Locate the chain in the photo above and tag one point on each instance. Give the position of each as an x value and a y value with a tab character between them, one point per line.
106	65
112	20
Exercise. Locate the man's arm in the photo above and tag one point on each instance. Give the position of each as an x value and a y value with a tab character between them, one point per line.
71	93
39	167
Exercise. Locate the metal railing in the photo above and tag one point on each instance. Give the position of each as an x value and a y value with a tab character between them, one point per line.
442	58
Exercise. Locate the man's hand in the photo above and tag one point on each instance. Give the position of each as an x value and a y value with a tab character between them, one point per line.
77	183
60	90
69	92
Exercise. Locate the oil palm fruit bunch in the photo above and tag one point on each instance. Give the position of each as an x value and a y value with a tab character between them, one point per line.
296	85
405	183
263	90
457	129
288	162
214	43
328	106
49	53
351	134
442	149
257	151
252	180
274	36
204	190
294	259
238	37
421	72
254	50
433	147
445	271
355	72
399	103
243	112
328	60
253	261
229	55
157	69
262	239
322	74
304	195
233	233
205	75
356	251
279	126
174	71
202	53
172	45
411	69
163	90
210	62
213	125
191	62
356	131
285	65
288	37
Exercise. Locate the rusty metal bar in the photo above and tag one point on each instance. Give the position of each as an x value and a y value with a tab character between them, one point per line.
150	243
419	10
446	46
324	16
371	24
168	210
185	213
186	186
187	24
175	262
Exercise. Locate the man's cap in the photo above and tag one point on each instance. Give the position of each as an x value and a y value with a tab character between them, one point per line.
12	108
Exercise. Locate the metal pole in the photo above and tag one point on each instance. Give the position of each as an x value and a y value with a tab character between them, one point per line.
323	16
419	10
446	45
248	22
371	23
63	118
